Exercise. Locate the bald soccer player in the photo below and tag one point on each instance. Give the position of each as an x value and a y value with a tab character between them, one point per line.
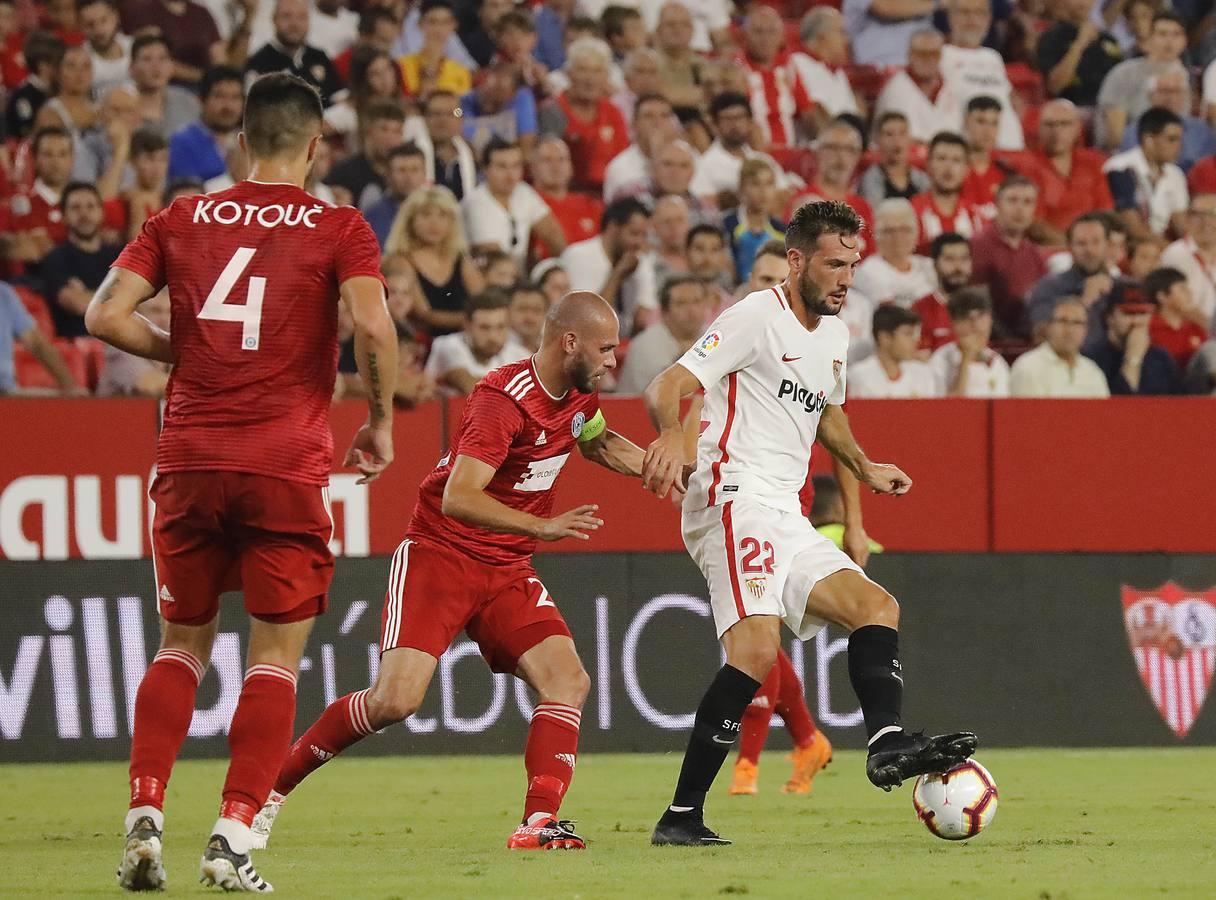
466	563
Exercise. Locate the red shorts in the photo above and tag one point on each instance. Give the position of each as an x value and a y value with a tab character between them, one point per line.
434	592
224	531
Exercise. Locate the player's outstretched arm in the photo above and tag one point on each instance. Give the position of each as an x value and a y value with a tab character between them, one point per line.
614	451
465	498
112	317
376	356
835	434
664	460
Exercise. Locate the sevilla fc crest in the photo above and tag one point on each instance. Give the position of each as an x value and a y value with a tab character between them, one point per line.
1172	631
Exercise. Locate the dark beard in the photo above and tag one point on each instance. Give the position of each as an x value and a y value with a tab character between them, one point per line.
581	378
817	303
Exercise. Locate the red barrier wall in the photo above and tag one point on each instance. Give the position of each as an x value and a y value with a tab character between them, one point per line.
1116	475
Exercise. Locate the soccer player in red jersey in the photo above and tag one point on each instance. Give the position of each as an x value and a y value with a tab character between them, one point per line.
254	275
465	563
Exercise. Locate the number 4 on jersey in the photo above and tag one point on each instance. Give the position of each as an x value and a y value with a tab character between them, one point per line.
248	314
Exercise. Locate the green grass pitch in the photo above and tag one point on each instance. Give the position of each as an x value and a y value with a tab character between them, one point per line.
1122	824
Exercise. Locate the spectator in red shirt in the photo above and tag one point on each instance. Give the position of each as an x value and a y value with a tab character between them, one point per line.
943	207
837	152
190	30
778	98
12	62
37	220
552	171
1005	259
981	124
951	255
584	115
378	29
1069	176
1172	327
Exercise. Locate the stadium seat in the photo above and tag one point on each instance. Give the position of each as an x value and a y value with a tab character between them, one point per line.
1027	83
867	81
37	307
93	352
30	372
799	160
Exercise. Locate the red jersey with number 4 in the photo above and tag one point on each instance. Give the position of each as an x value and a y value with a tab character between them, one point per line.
253	274
512	424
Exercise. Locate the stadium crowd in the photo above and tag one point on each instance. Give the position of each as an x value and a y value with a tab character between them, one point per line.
1037	177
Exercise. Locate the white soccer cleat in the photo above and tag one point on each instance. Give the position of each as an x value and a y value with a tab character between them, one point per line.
228	870
141	868
264	820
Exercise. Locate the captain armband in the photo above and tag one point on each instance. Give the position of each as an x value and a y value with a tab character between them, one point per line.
593	427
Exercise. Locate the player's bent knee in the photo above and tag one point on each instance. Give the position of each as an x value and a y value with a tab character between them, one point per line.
385	708
881	609
569	685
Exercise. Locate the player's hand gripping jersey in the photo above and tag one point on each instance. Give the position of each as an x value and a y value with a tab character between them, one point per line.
767	380
253	274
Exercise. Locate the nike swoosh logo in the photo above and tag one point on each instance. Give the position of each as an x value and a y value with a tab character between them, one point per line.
785	357
718	740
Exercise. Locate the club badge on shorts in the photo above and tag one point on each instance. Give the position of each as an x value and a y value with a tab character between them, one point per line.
757	586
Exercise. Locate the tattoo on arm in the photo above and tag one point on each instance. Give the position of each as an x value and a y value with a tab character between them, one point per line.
374	390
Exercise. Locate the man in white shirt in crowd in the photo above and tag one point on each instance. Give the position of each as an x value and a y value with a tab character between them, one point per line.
717	173
504	212
617	264
1149	189
1195	256
109	48
968	367
461	359
332	27
686	307
820	64
969	69
895	274
1056	367
915	90
654	125
893	371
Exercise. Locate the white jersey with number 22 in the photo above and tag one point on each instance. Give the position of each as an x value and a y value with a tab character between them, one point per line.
767	381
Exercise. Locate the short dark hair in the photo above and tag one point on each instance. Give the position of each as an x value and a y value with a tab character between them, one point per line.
1094	217
949	138
968	300
1015	181
383	111
671	282
407	149
427	6
619	212
890	115
813	220
1168	15
889	317
282	113
582	23
148	140
1155	120
83	4
525	287
942	241
218	75
373	16
983	103
613	20
648	98
74	187
516	19
42	48
704	228
497	145
490	299
728	100
774	247
1161	281
48	131
181	186
148	40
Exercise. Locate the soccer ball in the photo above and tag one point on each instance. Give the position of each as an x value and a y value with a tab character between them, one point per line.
957	804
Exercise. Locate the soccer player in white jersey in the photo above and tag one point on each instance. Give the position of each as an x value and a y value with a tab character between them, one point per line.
773	370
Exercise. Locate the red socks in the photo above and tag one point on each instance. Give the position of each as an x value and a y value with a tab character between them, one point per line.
258	739
550	756
753	730
791	704
344	722
164	705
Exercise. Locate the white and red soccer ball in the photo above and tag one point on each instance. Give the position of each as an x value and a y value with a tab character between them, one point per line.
958	804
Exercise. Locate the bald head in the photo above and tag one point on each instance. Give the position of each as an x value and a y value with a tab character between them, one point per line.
581	336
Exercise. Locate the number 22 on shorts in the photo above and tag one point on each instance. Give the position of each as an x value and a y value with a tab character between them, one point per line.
216	307
752	549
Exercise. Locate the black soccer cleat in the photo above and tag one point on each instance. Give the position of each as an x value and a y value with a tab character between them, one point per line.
687	829
900	756
223	868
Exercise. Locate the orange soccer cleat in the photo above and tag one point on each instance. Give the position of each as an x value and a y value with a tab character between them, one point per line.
547	834
807	761
744	780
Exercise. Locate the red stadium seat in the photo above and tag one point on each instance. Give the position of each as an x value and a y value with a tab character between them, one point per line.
799	160
93	352
36	307
1027	83
868	81
31	374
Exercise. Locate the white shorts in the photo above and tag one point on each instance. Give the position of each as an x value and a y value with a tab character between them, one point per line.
760	561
